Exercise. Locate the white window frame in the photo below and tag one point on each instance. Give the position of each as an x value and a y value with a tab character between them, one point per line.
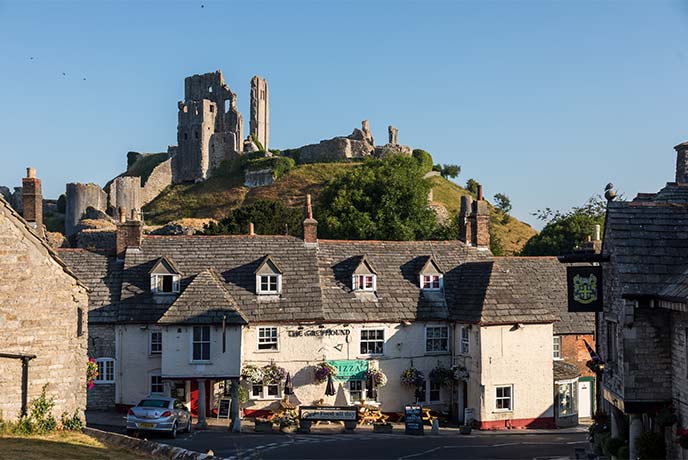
264	392
440	282
101	375
352	392
360	341
276	341
156	283
465	341
209	342
259	283
446	328
511	398
556	348
357	286
150	384
430	390
150	342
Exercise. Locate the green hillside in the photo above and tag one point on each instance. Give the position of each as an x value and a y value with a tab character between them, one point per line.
223	192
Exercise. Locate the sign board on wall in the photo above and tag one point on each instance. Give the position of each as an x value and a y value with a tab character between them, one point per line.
350	369
584	288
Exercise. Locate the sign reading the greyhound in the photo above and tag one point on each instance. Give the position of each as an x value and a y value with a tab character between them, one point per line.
329	413
584	289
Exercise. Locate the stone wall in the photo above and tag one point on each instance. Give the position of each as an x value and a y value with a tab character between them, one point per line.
125	192
159	179
101	344
80	197
41	310
259	178
96	239
260	111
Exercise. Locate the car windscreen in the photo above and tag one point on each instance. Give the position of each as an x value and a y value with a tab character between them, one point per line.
154	403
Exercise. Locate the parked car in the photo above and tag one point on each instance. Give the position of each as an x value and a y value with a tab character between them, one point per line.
160	414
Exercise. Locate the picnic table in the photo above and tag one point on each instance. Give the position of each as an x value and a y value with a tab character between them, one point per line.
426	415
284	407
371	413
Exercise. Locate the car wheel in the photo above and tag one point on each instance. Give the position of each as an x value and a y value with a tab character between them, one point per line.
173	433
131	432
188	425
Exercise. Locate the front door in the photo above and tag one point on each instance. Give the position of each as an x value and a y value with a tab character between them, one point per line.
584	399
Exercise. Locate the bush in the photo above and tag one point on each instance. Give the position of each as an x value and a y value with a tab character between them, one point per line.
71	423
650	446
41	407
279	165
424	159
294	154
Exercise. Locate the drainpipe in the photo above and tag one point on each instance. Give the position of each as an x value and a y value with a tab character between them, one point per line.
25	377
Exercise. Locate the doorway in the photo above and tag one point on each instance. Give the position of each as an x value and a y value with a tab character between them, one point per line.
585	395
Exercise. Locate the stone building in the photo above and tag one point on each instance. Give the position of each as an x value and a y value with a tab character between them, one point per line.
42	314
260	111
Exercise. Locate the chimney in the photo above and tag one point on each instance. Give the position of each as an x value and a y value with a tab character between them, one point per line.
310	225
682	163
129	234
593	245
251	229
475	228
32	196
465	227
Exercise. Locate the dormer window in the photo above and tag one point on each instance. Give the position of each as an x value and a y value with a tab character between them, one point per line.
164	277
268	278
364	277
430	277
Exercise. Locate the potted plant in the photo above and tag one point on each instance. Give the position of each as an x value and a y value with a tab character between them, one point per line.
460	373
252	374
412	377
273	374
287	422
441	375
91	372
382	427
263	425
322	371
377	377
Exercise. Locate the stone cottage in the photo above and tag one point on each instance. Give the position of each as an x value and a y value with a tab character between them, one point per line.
43	308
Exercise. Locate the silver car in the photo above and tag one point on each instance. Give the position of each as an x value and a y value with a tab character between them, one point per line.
161	414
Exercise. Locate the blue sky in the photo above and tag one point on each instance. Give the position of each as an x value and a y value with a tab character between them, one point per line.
544	101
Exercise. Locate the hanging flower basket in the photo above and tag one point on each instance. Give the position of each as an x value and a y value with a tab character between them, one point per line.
273	374
91	372
412	377
322	371
441	376
377	377
252	374
460	373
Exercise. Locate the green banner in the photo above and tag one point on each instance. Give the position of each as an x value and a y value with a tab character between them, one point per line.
347	370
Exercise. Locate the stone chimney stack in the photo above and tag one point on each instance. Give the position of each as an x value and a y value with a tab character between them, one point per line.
682	163
474	221
310	225
32	196
129	234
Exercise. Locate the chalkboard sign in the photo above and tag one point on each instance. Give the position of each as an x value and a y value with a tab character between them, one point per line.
223	408
413	419
468	416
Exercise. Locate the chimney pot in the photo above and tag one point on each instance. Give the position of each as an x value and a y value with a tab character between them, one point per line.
598	232
251	230
480	192
122	214
32	197
31	173
310	225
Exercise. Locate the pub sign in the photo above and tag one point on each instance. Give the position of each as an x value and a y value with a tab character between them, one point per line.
584	288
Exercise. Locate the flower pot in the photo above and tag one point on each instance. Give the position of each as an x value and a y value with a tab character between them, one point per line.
465	429
263	426
382	428
289	429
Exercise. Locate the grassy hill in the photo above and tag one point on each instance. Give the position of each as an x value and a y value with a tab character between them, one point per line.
224	191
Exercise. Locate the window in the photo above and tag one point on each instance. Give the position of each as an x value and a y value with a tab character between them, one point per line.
431	282
259	391
79	322
212	109
269	284
556	347
465	340
355	390
106	370
155	342
364	282
267	338
165	284
436	339
156	385
504	398
196	132
201	343
420	392
611	341
372	341
567	398
434	392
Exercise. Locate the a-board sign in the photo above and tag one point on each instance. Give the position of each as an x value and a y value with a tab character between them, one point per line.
315	413
223	408
468	416
413	419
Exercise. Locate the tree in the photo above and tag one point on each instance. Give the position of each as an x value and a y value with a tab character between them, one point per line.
424	159
503	205
383	199
268	217
565	231
472	186
451	171
62	203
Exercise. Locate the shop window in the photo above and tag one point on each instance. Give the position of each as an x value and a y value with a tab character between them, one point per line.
434	392
355	390
259	391
155	342
436	339
566	393
268	338
504	398
156	385
372	341
201	343
106	370
556	347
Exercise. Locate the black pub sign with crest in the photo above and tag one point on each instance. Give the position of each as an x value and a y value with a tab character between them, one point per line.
584	288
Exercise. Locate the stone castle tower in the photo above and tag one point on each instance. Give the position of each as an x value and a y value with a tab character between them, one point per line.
209	130
260	111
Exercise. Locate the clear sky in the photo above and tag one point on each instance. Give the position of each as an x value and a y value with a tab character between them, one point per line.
544	101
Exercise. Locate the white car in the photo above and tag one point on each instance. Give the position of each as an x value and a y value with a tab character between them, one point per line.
160	414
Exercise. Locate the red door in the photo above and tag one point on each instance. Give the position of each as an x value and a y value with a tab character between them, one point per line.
194	398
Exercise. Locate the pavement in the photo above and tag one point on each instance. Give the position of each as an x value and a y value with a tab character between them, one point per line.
329	442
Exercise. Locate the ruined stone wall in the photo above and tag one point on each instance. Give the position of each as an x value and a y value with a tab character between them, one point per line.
260	111
196	122
259	178
159	179
40	306
80	197
96	239
101	344
125	192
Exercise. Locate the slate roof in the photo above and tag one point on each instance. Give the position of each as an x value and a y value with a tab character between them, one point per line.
103	275
648	243
204	301
510	290
564	371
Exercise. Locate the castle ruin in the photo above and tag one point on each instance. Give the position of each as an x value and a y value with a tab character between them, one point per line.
260	112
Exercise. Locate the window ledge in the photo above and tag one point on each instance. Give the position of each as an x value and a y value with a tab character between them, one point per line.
502	411
104	382
268	351
200	362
